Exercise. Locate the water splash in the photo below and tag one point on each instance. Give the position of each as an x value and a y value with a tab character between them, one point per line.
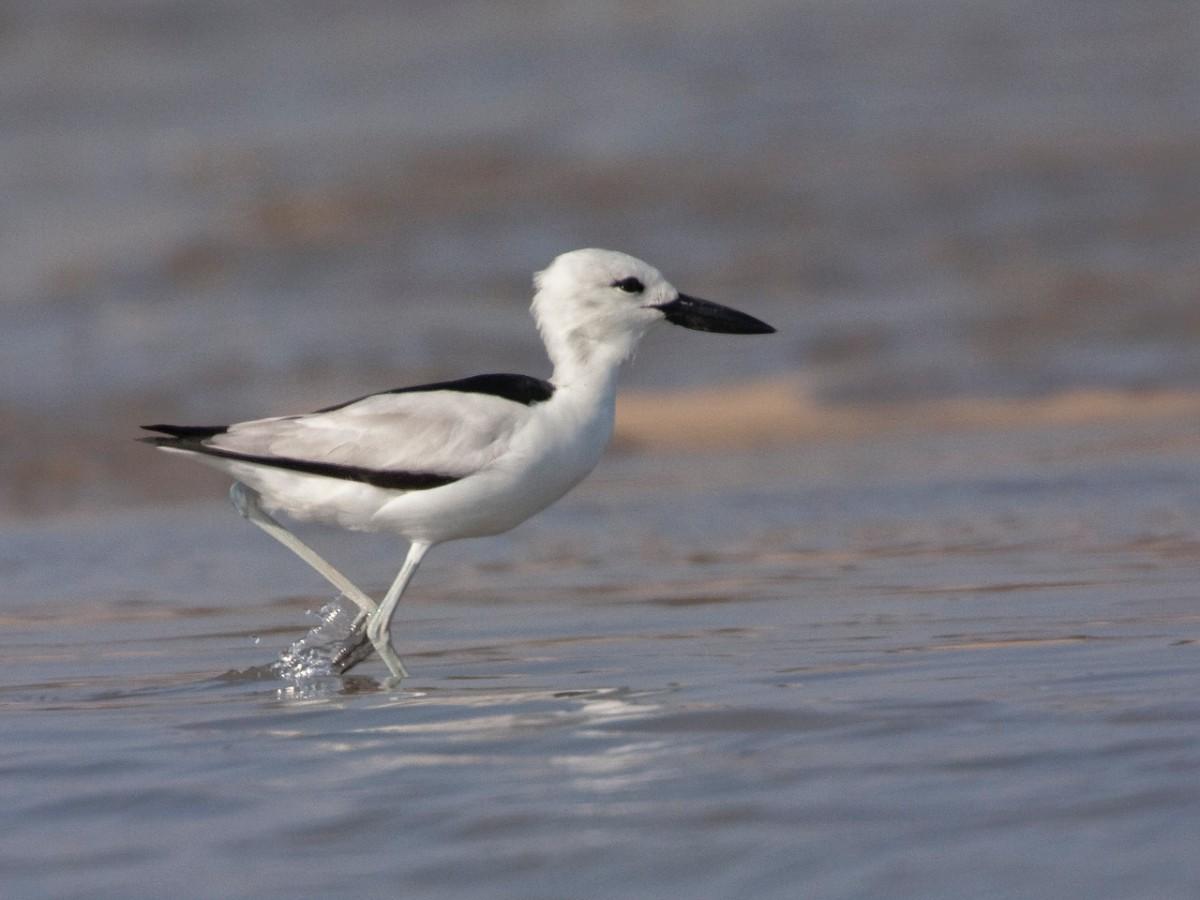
321	652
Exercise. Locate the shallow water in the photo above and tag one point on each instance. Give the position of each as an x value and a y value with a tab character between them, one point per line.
858	670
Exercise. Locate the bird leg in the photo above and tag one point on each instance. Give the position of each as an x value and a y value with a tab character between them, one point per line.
248	502
371	629
380	622
356	646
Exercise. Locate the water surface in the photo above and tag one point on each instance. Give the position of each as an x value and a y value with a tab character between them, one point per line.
696	676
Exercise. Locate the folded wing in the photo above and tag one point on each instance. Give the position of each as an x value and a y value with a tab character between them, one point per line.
406	440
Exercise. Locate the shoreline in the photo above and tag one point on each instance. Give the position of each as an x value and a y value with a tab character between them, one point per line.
776	411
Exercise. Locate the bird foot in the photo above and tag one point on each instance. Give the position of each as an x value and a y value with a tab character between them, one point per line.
334	646
350	651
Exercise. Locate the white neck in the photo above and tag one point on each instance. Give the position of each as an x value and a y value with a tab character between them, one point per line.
585	351
579	360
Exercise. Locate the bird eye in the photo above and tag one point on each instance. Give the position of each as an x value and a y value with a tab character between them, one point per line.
629	285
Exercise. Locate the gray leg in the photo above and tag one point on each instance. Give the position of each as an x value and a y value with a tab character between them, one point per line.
380	624
248	503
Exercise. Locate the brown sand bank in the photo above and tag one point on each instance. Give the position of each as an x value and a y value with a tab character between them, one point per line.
783	410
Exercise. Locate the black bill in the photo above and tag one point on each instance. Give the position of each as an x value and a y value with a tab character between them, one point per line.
703	315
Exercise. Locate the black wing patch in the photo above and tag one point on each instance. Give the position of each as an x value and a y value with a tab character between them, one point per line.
390	479
194	432
523	389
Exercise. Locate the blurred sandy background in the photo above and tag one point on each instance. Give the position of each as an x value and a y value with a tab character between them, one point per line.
959	214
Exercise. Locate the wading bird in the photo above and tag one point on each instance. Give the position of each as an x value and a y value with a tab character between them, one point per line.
455	459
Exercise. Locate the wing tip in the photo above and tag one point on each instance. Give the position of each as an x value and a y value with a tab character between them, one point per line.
198	432
180	437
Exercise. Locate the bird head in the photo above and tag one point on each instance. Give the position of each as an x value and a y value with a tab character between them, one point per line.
596	304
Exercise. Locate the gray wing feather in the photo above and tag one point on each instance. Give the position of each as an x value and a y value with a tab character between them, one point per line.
446	432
